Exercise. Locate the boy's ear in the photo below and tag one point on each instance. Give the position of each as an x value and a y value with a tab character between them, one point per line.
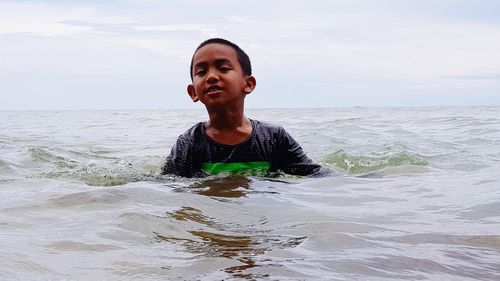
192	93
250	84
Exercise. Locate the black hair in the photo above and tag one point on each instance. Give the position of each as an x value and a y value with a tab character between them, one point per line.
243	58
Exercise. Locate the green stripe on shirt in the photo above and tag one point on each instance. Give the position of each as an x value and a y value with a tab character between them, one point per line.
239	168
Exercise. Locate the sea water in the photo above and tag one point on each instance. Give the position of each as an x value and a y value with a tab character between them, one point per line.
417	198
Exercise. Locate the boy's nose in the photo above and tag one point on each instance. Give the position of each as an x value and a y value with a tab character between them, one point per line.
212	77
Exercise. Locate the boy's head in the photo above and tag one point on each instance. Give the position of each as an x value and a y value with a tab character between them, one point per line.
243	58
221	75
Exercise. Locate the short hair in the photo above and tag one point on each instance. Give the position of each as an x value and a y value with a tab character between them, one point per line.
243	58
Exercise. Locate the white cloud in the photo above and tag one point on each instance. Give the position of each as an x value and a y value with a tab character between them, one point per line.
50	20
340	50
238	19
203	29
426	50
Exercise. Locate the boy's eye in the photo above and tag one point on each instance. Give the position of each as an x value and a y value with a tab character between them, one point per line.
224	69
200	73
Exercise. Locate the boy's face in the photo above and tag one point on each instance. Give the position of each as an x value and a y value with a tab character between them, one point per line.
218	79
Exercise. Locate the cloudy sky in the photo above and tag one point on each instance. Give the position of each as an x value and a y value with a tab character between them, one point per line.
135	54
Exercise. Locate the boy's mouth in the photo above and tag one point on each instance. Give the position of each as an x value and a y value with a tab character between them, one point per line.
213	89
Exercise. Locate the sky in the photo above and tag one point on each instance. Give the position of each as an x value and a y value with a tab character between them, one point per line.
135	54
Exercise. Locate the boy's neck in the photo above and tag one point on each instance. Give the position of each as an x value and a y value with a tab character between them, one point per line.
226	120
228	126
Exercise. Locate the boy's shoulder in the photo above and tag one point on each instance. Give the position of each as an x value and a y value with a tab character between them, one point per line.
197	129
260	125
270	131
193	133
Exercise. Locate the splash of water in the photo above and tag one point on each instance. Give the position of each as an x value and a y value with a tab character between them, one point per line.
356	165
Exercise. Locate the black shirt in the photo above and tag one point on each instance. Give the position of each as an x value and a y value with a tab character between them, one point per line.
268	150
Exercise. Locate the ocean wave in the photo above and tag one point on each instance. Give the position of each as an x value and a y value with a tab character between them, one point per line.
41	155
358	165
95	170
110	174
4	167
89	166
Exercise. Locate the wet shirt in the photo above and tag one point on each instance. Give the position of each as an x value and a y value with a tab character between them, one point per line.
268	150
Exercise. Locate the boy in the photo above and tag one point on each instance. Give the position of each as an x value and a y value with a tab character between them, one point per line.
229	142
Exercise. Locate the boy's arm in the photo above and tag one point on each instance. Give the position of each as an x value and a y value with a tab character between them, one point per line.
180	160
294	161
